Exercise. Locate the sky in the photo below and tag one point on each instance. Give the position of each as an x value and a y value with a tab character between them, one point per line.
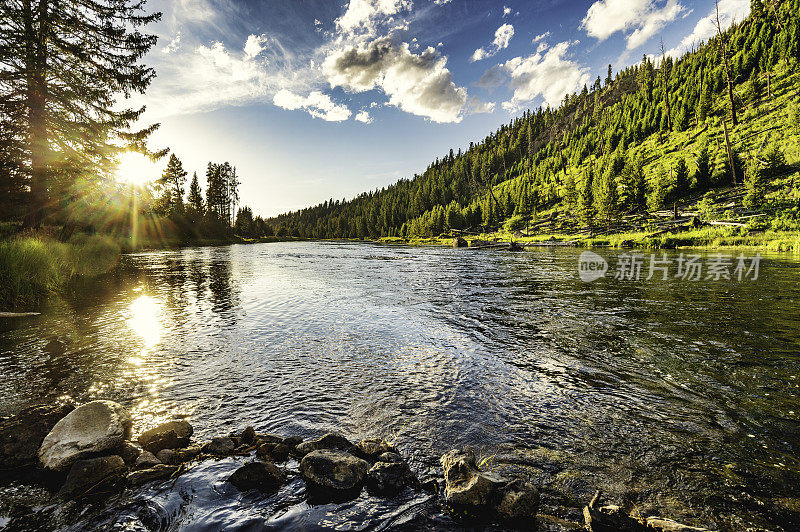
320	99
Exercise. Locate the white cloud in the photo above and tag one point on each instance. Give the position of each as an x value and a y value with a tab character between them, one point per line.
706	27
316	104
364	116
173	45
419	84
502	37
477	106
639	19
506	11
550	75
441	2
361	15
541	37
254	45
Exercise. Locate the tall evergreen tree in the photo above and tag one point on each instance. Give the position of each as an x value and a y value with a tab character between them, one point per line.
195	198
171	183
65	63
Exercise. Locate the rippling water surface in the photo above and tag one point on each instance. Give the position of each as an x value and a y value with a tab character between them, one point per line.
678	397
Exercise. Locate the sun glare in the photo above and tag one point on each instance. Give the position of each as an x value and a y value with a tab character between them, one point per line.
136	169
145	319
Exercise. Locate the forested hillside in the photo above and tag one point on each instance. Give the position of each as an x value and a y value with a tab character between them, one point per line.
649	138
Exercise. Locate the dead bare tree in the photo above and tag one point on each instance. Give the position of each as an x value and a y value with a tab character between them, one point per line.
664	83
725	61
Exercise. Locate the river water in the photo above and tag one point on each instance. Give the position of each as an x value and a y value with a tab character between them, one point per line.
678	397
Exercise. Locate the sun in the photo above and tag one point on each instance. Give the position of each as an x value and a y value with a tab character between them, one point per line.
136	169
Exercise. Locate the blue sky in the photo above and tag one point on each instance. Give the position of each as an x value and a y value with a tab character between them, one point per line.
318	99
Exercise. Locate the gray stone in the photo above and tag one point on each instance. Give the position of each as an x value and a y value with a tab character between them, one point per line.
293	441
610	518
518	501
169	435
178	456
459	242
156	472
333	473
389	457
222	446
271	438
328	441
93	476
263	476
248	436
21	435
388	478
129	452
146	460
370	449
92	428
465	484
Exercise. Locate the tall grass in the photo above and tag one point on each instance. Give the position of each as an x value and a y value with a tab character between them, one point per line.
31	268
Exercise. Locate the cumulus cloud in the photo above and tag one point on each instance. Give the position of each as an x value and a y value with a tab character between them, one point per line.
173	45
362	15
506	11
502	37
419	84
316	104
477	106
364	116
639	19
550	75
706	27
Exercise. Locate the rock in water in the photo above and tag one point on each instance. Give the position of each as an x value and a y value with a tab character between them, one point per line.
91	428
22	434
220	446
248	436
169	435
389	457
156	472
388	478
328	441
263	476
129	452
459	242
518	502
93	476
146	460
370	449
661	524
333	474
610	518
465	484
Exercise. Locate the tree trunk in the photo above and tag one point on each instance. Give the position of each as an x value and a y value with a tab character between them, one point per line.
730	151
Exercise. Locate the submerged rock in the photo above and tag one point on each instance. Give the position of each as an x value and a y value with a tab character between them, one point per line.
518	501
21	435
275	452
156	472
293	441
328	441
263	476
178	456
661	524
146	460
222	446
333	473
93	476
388	478
610	518
92	428
248	436
370	449
465	484
169	435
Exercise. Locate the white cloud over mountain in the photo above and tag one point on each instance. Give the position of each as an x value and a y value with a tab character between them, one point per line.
706	27
638	19
317	104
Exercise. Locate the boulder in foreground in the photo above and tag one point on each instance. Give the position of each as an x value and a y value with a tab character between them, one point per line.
263	476
169	435
90	429
333	474
93	476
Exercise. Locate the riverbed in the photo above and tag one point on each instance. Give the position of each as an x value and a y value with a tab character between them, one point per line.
678	396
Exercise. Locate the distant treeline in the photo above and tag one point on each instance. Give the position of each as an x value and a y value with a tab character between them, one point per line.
588	157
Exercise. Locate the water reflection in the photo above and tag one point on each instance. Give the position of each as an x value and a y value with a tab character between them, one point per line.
656	391
146	315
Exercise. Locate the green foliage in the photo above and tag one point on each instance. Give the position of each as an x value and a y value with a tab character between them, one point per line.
515	223
659	188
681	178
793	117
703	175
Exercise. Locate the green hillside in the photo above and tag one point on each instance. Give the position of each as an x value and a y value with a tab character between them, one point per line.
638	158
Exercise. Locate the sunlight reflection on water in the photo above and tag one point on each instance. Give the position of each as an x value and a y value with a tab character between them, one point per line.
146	314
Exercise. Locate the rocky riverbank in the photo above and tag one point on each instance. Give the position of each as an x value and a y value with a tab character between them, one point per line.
83	455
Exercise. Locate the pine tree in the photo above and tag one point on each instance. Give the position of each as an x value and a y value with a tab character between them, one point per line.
586	199
171	182
703	175
195	198
65	65
681	178
755	184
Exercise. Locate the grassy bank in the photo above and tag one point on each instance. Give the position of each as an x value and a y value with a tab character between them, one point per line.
33	267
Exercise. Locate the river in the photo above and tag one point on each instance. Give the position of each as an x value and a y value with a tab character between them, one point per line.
679	396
